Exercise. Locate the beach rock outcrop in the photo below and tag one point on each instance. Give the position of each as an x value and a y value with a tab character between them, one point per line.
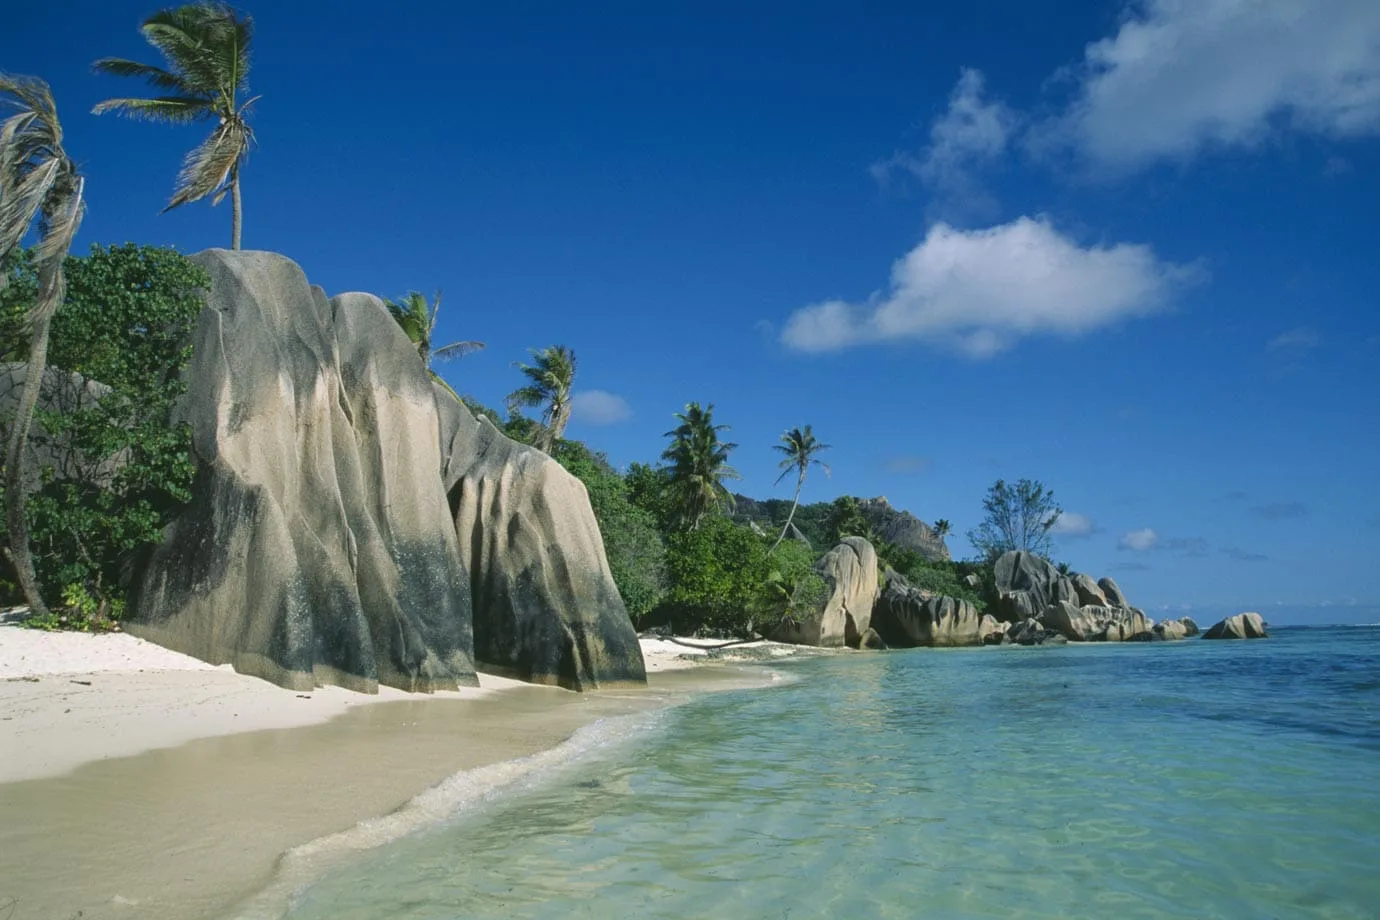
546	609
318	547
1095	624
901	528
1240	626
1112	591
1026	585
1032	632
872	641
850	571
1173	630
1089	592
907	617
59	391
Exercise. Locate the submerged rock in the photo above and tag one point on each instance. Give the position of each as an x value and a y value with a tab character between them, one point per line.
546	609
318	548
850	571
872	640
1240	626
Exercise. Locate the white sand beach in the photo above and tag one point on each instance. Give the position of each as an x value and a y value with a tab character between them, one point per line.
177	785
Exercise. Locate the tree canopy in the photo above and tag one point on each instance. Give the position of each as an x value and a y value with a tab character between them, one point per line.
1018	517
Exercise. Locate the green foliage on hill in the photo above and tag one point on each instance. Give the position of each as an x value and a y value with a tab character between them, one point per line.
126	323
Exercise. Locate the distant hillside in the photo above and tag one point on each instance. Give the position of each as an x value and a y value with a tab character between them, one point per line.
891	524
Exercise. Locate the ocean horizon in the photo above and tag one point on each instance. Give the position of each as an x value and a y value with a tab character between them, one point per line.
1181	779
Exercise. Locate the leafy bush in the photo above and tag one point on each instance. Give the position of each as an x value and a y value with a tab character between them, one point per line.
126	468
632	542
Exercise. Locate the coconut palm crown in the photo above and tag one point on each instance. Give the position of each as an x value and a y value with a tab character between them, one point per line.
550	377
418	322
802	451
698	465
206	49
38	181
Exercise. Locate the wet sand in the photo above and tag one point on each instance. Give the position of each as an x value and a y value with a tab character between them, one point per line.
192	831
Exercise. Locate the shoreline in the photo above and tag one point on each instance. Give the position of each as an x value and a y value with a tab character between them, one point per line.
185	790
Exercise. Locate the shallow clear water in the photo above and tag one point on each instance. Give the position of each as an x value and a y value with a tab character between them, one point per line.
1191	779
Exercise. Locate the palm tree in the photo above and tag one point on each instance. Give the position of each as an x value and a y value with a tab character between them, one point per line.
37	180
551	376
698	464
206	47
801	450
942	528
418	321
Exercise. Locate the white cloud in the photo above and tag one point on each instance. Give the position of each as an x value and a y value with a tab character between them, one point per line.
1299	338
971	134
1139	540
1183	76
980	291
1072	524
599	407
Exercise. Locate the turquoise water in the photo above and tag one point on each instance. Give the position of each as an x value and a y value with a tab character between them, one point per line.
1192	779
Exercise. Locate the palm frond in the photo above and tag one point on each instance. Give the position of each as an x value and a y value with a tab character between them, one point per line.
177	110
206	43
21	199
156	77
457	350
58	230
210	165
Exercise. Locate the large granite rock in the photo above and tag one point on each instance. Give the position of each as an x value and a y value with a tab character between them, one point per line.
1172	630
1026	585
1089	592
1095	624
318	547
908	617
850	570
901	528
1112	591
546	609
1240	626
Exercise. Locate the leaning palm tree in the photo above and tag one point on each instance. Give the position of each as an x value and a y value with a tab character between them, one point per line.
38	180
206	48
801	450
418	322
551	375
698	465
942	528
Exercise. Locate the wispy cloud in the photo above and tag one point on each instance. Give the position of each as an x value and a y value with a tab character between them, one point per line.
1181	78
599	407
1281	511
907	464
1139	541
1240	555
1073	525
971	135
1294	340
978	292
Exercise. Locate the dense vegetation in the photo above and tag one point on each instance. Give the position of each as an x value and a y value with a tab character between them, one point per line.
115	466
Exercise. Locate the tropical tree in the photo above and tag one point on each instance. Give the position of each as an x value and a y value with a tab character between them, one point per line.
418	321
38	180
550	377
206	49
942	528
1019	517
802	451
698	465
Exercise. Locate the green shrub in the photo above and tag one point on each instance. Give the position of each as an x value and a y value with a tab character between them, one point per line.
126	323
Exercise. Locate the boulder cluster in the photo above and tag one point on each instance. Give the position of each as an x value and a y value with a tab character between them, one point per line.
1035	604
353	525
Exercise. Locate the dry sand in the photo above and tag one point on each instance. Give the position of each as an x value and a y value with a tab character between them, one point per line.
137	782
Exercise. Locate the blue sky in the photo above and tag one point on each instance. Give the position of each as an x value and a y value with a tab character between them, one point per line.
1127	250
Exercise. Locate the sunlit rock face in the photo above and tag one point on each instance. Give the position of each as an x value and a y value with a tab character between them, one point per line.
318	548
546	609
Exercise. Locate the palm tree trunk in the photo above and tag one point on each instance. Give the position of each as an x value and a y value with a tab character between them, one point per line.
18	551
800	481
236	210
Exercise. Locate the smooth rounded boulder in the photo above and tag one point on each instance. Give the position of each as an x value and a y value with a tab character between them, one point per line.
907	617
850	572
317	548
546	609
1240	626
